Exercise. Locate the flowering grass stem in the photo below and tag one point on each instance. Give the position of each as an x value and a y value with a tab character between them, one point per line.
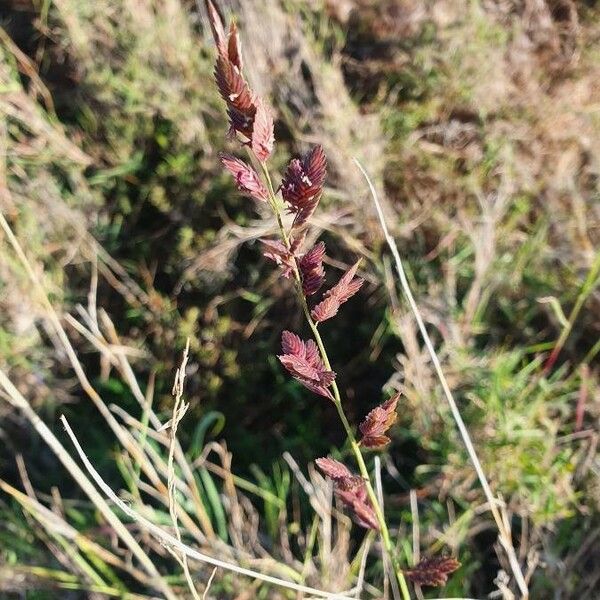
385	535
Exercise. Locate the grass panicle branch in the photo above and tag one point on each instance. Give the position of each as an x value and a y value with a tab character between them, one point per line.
383	528
251	123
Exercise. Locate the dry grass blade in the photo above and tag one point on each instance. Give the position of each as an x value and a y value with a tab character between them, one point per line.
113	352
179	410
54	523
505	536
120	433
175	544
209	583
17	400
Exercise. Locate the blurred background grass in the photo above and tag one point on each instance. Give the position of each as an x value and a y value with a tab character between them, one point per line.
481	123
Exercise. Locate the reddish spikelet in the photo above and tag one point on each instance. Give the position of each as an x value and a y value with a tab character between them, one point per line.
377	422
302	184
216	26
248	115
363	513
346	287
228	70
262	132
333	469
234	47
303	361
245	176
241	103
228	45
297	242
292	344
351	490
280	255
433	571
311	269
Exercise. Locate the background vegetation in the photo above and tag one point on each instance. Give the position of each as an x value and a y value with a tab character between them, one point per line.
480	122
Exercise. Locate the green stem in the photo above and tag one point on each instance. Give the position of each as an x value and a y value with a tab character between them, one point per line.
586	289
385	534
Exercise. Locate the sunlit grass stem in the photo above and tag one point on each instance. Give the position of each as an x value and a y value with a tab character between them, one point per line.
385	535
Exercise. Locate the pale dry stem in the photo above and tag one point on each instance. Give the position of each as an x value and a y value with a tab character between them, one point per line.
503	527
179	410
172	542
